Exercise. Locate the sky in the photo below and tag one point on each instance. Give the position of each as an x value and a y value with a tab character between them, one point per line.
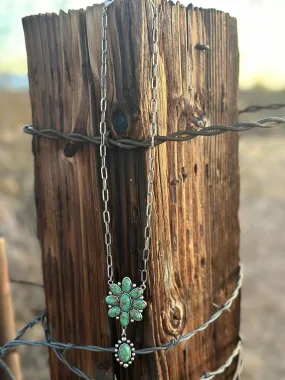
261	29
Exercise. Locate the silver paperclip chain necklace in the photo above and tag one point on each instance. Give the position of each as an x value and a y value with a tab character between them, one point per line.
125	299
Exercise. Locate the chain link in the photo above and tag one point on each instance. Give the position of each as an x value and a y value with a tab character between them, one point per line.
151	151
103	148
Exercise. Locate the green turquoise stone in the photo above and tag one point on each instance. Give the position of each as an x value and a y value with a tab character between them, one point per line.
125	353
125	302
114	312
139	304
135	315
115	289
112	300
126	285
124	319
136	293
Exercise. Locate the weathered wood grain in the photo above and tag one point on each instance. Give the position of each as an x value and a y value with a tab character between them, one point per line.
195	239
7	320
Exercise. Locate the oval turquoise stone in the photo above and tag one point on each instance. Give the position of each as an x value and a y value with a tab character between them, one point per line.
115	289
126	285
135	315
125	353
139	304
136	293
124	319
125	302
112	300
114	312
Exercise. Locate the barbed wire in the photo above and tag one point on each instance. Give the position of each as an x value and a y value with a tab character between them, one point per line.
25	282
178	136
61	348
226	365
130	144
256	108
6	370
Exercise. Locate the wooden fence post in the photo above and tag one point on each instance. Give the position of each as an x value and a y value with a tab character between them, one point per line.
195	241
7	324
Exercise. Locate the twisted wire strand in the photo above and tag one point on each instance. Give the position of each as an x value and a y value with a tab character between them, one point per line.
239	366
25	282
225	307
256	108
61	348
178	136
6	370
226	365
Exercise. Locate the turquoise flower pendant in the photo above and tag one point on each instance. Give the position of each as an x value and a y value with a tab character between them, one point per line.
126	303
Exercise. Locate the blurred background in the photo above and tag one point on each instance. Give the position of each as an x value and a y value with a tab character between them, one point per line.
262	164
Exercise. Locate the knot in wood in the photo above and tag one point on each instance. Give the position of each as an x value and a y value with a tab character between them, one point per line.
70	149
175	319
120	121
202	47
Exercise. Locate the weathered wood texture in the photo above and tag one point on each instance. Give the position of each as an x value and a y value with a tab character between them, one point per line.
195	240
7	321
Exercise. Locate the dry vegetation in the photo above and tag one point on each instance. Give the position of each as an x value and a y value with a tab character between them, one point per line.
262	159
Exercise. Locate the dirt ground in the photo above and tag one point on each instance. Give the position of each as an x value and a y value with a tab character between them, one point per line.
262	216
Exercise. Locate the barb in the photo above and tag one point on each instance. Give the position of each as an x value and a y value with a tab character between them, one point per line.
249	109
225	307
60	348
179	136
226	365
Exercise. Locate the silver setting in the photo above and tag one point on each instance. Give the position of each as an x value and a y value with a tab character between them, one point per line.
125	302
131	354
